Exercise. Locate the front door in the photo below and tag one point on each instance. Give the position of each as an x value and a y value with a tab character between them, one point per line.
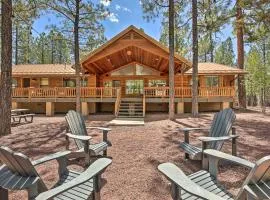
116	83
26	82
134	87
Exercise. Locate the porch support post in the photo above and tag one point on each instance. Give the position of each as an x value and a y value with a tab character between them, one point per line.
180	108
14	105
92	107
85	109
49	109
225	105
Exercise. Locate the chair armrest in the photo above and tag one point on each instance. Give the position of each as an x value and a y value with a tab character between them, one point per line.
195	129
105	131
217	155
214	139
79	137
50	157
94	169
99	128
177	176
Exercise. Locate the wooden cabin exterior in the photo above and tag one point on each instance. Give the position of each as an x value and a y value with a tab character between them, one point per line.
132	67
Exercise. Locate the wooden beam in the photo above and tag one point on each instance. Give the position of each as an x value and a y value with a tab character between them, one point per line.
99	68
114	48
162	67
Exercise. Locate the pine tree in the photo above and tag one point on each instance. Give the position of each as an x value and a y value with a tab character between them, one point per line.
171	59
6	67
79	18
240	53
195	106
224	54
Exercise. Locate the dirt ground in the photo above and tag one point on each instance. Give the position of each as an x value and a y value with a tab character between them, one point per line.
138	150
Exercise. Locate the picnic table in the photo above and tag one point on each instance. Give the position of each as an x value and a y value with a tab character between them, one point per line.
18	114
20	111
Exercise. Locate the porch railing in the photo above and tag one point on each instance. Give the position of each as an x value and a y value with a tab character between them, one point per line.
187	92
63	92
107	92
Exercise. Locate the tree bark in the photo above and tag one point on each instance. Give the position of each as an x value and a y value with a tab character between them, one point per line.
16	44
52	55
211	47
195	107
263	106
6	68
171	59
240	55
77	56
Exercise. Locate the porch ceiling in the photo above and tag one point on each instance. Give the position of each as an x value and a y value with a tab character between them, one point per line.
132	45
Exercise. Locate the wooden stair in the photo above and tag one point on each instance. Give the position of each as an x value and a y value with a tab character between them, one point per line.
130	109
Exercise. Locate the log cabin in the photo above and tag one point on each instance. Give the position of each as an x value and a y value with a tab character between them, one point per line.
129	72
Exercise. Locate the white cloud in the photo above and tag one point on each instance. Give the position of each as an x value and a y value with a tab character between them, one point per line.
140	2
105	2
125	9
113	17
117	7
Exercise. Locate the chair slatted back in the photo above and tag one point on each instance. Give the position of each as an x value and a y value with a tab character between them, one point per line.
20	165
17	162
221	126
259	178
76	125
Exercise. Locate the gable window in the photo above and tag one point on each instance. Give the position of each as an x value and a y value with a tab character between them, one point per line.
44	82
135	69
212	81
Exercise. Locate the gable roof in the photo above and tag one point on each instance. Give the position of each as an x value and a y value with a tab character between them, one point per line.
141	33
215	68
43	69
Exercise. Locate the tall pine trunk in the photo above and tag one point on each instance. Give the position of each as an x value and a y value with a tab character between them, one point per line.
171	59
263	106
6	68
195	107
77	56
16	44
240	55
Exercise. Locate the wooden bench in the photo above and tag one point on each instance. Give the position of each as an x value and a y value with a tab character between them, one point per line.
27	118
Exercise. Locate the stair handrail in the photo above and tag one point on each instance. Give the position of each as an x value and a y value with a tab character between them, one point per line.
117	102
144	103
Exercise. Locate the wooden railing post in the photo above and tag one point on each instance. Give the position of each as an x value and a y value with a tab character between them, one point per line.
117	102
144	102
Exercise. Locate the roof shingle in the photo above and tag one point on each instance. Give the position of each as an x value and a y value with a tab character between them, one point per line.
43	69
215	68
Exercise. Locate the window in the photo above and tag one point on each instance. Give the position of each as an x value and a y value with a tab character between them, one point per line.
157	83
135	69
212	81
107	83
84	83
44	82
134	87
69	82
14	83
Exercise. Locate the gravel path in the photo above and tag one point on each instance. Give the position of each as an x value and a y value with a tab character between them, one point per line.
137	151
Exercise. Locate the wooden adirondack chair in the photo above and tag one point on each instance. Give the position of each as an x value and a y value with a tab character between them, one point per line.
76	126
18	173
218	133
204	184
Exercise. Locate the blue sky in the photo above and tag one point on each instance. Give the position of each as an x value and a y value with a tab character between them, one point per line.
123	14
